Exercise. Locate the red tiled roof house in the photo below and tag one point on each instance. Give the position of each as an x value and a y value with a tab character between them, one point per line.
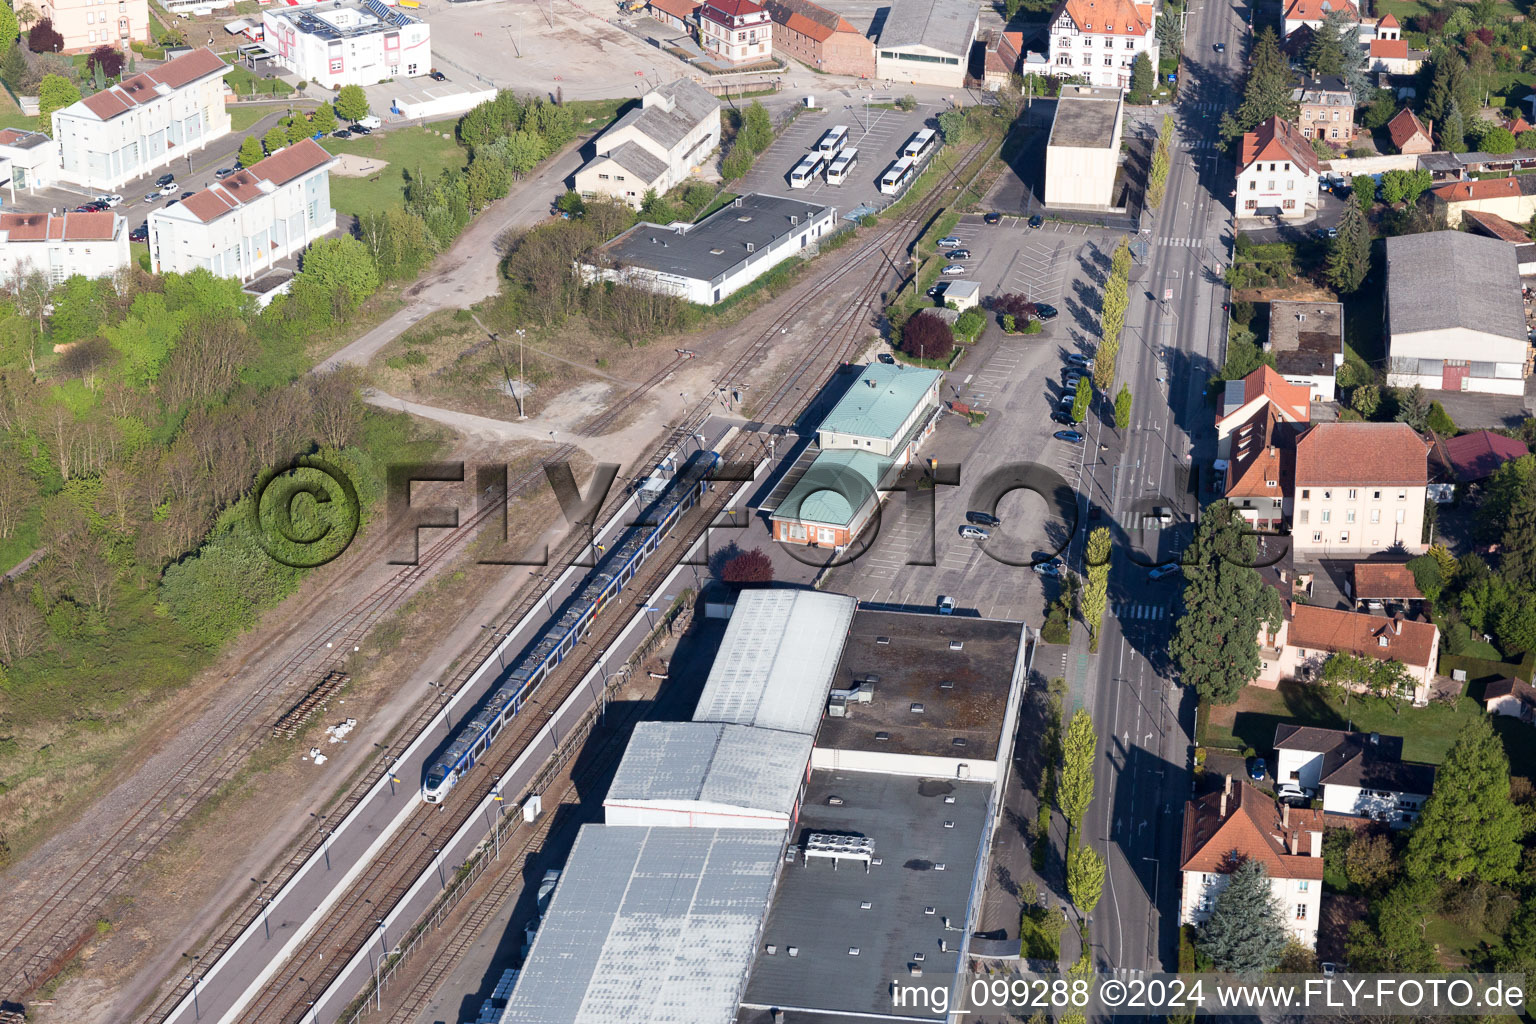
738	31
61	245
820	39
1408	133
1359	488
1277	173
1310	635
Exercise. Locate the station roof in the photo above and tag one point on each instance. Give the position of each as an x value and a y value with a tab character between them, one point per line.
648	926
913	657
775	663
880	401
712	763
838	483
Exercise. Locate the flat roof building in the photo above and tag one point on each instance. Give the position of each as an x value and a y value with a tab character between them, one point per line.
28	160
1084	148
927	42
1307	341
348	42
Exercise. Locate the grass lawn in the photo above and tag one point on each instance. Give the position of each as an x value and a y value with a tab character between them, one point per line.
243	115
1459	945
21	543
421	150
243	83
1040	934
1427	732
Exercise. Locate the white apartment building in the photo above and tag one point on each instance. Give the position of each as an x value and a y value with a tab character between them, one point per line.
1357	774
244	224
656	146
1098	39
1360	487
87	24
28	160
61	245
1240	823
739	31
1277	174
348	42
139	126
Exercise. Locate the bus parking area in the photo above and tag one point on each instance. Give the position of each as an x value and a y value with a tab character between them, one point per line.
877	134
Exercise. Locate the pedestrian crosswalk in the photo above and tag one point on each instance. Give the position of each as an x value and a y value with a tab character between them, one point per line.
1183	243
1200	144
1205	106
1126	612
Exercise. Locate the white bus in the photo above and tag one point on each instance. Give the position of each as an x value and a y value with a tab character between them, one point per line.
807	170
897	176
834	140
921	144
842	165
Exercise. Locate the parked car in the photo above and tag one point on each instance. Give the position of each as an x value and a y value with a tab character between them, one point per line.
1051	568
139	234
164	180
1291	793
341	133
170	188
886	358
1070	436
85	208
188	195
959	254
974	533
993	218
1221	47
1071	377
983	519
935	291
360	129
947	242
953	269
1326	232
1037	221
109	201
437	76
1064	418
1044	311
223	172
1257	768
946	605
171	202
1164	570
152	197
1078	359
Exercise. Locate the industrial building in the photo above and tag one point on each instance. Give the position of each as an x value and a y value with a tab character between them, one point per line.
1083	152
348	42
655	146
927	42
818	829
709	261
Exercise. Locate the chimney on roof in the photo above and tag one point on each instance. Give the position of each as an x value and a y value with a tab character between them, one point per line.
1285	815
778	1016
1397	623
1317	843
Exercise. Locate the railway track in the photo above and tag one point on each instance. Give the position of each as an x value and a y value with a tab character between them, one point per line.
43	941
388	878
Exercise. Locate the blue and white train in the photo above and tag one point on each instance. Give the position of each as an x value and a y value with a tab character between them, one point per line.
560	636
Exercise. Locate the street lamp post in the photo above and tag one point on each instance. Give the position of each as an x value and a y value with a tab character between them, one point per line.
263	901
496	798
194	978
442	692
378	975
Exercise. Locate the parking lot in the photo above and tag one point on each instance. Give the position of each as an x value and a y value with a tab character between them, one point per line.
877	134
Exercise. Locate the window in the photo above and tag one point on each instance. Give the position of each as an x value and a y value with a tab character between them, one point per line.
1353	494
1064	41
1327	495
1301	911
1317	538
1303	885
1290	183
1349	515
1306	494
1327	516
1375	495
1252	184
1289	204
1344	537
1088	41
1252	204
1375	515
1109	62
1130	44
618	177
1064	59
1402	495
1271	184
1402	515
604	177
1305	515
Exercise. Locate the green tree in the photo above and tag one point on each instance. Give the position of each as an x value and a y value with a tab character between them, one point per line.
1364	186
1123	408
1394	943
1517	542
523	151
323	119
12	66
1170	34
1413	407
250	151
756	132
1381	678
1142	82
54	92
1074	791
9	28
1333	45
276	138
352	103
1453	135
1509	492
1009	324
1498	140
1080	399
1516	622
571	203
1440	421
1369	861
1157	179
1349	254
1245	932
1365	400
1096	591
1470	828
345	267
1448	86
1085	877
1266	89
1215	643
955	127
488	180
297	128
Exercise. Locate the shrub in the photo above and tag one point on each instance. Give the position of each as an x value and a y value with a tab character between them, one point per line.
1242	312
970	323
1439	421
925	336
109	60
1033	327
752	566
1017	306
44	38
1009	323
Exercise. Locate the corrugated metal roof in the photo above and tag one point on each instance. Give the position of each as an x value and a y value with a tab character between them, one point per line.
839	482
712	763
948	26
880	401
776	662
649	926
1474	283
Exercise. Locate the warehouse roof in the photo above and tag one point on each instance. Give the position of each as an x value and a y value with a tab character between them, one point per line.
925	850
945	25
712	763
775	664
1438	280
1085	118
839	482
880	401
669	112
911	661
648	926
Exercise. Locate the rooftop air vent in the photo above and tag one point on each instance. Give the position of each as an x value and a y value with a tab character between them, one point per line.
793	219
883	641
866	905
958	741
940	866
853	950
914	970
919	957
950	798
878	861
771	949
835	801
917	707
793	951
882	736
717	252
956	645
949	824
947	684
744	218
930	911
751	247
737	201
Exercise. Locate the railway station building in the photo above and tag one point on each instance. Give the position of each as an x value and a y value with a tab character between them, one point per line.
882	742
872	433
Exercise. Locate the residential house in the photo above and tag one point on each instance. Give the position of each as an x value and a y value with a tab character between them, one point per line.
1491	225
655	146
1327	109
1308	635
1455	320
1242	400
61	245
1311	13
1378	584
927	42
1098	40
28	160
678	15
1260	471
1360	487
737	31
1475	456
1387	52
1514	698
1237	824
874	430
1513	198
1307	341
140	125
1359	775
1408	133
820	39
242	226
87	24
1277	173
1004	59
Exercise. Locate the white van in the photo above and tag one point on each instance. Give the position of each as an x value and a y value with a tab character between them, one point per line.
371	123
